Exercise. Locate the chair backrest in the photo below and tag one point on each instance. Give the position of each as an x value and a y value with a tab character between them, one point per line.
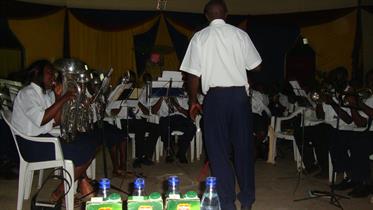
7	116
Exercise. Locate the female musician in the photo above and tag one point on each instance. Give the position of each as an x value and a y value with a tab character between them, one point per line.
35	111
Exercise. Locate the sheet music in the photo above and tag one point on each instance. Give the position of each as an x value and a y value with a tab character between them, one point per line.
171	75
114	95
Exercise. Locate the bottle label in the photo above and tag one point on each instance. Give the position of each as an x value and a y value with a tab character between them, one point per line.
183	206
145	208
174	196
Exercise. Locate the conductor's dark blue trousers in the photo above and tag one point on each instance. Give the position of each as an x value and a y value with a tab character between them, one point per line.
229	143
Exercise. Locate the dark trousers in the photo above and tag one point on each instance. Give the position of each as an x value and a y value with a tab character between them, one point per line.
144	148
357	163
228	131
178	123
316	138
360	150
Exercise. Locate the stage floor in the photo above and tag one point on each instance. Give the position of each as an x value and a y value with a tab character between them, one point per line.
275	185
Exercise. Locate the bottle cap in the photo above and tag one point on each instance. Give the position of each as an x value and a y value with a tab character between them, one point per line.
155	195
173	181
211	181
191	194
114	197
104	183
139	183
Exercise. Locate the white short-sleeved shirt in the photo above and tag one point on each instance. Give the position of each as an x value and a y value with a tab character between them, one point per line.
163	110
220	54
369	102
331	117
29	108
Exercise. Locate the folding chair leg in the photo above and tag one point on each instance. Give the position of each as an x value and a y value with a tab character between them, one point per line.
41	176
21	186
69	198
28	184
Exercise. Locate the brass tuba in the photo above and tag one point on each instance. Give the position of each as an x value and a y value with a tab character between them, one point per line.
76	114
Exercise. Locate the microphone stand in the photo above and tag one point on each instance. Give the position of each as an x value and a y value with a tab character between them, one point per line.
169	151
127	130
100	93
334	198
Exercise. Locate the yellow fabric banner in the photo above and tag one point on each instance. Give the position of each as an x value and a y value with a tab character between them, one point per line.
41	37
104	49
332	42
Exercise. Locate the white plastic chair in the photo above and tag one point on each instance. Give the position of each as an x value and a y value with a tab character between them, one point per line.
192	143
279	133
26	169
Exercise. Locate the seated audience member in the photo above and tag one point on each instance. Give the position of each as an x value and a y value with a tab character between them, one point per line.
173	112
36	110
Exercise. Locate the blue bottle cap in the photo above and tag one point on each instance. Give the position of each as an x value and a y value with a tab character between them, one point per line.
139	183
173	181
104	183
211	181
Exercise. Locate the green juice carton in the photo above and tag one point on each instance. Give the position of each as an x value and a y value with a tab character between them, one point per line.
152	202
114	202
189	201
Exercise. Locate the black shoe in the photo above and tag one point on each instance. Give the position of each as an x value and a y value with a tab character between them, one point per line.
360	191
182	159
136	163
345	184
146	161
245	207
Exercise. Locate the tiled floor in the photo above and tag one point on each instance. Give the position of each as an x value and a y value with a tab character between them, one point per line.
276	186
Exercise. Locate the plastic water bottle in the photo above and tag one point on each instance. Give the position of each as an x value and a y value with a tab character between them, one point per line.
173	187
139	187
210	199
104	188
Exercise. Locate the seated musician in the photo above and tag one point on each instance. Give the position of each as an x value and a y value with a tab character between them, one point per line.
135	119
359	146
261	119
113	138
173	112
36	110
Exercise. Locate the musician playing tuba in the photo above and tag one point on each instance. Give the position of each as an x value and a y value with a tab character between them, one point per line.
36	110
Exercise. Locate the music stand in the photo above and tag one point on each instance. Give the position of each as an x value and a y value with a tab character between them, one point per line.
334	198
100	94
167	89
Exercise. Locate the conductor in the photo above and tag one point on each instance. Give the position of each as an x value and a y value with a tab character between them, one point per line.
220	54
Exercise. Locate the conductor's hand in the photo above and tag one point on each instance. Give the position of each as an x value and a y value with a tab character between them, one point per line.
194	109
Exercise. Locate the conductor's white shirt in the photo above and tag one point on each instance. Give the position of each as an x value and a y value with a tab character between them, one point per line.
220	54
29	108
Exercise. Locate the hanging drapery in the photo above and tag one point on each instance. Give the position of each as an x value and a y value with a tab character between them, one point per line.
272	41
144	43
162	43
104	49
367	46
42	37
11	50
333	42
180	38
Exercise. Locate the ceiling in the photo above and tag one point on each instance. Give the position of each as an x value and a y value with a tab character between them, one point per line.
242	7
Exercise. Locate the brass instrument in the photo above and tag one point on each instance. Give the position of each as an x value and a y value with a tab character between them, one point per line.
76	114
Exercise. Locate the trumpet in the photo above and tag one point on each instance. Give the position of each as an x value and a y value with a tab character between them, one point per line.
316	96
